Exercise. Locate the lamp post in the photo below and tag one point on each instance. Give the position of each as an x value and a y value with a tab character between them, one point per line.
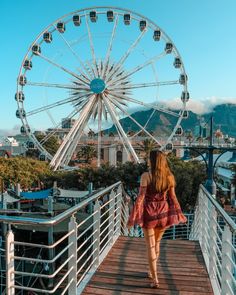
208	158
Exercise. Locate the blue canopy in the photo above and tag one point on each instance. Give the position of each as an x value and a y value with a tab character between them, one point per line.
36	195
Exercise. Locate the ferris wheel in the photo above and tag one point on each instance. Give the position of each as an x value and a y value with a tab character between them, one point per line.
97	66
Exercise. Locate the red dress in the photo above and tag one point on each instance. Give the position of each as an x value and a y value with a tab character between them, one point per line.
153	209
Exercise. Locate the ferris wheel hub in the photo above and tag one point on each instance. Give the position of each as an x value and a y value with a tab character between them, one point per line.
97	85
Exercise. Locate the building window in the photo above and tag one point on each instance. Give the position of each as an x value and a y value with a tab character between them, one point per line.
119	156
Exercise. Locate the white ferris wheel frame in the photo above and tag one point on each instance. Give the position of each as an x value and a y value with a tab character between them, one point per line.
116	82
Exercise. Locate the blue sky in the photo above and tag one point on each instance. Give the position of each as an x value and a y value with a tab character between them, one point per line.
203	31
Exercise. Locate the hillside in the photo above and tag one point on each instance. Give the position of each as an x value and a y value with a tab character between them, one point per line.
160	123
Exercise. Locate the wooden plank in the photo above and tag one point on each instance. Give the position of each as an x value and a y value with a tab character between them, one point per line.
181	270
141	275
95	291
166	284
163	270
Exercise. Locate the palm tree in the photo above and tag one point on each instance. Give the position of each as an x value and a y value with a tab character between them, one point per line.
111	134
91	133
87	152
130	133
146	146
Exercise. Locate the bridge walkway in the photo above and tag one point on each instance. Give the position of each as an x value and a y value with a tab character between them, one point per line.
181	270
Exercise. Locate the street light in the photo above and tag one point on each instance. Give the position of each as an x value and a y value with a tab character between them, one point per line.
208	158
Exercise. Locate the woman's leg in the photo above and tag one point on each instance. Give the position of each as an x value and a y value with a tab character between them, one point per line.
149	235
158	236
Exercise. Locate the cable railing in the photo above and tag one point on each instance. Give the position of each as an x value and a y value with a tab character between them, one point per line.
180	231
63	263
216	233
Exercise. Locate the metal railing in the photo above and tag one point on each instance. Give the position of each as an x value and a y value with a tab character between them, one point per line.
181	231
216	233
66	262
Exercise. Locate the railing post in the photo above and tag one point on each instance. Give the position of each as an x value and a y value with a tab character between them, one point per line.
72	251
10	277
173	231
203	223
111	217
96	232
226	279
119	212
212	242
18	195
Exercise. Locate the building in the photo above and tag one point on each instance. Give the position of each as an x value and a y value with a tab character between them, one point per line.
12	146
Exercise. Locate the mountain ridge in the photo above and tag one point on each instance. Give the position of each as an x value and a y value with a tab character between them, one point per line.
224	116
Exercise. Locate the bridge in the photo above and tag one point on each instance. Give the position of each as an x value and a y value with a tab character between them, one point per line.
97	255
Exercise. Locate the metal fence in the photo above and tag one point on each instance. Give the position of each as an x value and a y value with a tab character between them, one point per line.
64	262
63	265
216	233
181	231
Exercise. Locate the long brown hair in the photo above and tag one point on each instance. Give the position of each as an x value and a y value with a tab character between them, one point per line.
162	177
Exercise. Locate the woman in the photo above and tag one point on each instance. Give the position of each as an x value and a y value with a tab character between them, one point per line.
156	208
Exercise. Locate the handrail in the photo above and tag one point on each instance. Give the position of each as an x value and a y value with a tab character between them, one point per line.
226	217
60	217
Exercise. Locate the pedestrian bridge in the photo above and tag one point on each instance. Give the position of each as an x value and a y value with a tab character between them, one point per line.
97	255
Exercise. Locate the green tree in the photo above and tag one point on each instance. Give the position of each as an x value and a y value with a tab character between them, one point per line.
188	175
87	152
91	133
28	172
51	144
146	146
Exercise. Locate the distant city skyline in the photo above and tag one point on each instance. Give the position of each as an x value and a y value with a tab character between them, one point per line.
203	32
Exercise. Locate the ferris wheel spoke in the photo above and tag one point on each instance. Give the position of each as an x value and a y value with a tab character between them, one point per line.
93	71
144	85
53	105
56	85
126	55
136	69
65	70
77	57
114	117
132	119
69	143
95	112
104	111
152	106
56	126
107	58
118	99
91	45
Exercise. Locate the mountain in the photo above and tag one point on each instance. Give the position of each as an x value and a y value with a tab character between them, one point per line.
161	123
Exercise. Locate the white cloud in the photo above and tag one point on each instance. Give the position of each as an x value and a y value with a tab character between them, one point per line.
200	106
10	132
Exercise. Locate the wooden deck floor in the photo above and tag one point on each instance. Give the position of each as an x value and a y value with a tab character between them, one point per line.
181	270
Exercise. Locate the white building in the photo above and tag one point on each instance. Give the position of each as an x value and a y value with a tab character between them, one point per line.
11	145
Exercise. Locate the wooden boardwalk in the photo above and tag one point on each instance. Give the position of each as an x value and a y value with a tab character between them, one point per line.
181	270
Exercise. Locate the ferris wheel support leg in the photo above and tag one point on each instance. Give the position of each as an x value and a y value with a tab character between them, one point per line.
57	159
79	133
116	121
99	131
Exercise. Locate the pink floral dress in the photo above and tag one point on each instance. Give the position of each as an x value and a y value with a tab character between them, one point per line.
153	209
